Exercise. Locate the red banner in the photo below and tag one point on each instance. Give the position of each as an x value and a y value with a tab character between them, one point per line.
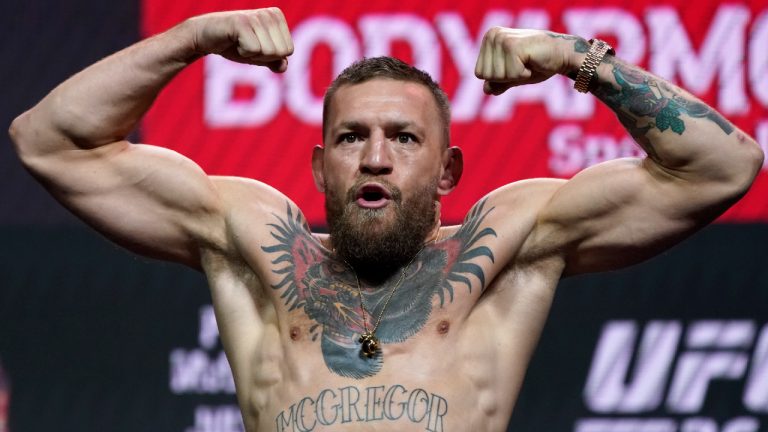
242	120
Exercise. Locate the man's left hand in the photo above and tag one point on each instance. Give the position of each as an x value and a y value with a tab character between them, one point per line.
513	57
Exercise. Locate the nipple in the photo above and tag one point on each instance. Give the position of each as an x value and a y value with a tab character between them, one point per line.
443	327
295	333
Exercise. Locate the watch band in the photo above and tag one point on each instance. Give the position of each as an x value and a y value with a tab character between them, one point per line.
588	68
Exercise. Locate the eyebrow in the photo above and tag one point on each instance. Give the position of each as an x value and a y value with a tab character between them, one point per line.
355	125
350	125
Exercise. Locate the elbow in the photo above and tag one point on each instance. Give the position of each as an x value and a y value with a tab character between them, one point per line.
19	133
34	139
755	160
758	159
749	166
14	130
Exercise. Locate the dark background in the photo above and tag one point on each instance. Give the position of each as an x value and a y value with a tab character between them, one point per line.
86	328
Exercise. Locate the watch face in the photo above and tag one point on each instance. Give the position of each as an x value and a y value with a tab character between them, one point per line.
610	50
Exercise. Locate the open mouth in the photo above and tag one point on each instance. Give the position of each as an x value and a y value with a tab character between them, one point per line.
372	195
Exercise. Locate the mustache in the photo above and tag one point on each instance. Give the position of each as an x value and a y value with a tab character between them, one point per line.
395	192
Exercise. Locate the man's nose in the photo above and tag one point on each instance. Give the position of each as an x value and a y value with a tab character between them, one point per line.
376	157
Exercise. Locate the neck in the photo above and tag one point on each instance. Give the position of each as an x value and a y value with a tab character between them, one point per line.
375	274
433	236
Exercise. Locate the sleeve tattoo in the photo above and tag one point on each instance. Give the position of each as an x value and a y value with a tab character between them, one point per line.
643	103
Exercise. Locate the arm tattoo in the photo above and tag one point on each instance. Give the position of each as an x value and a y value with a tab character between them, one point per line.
312	280
643	102
580	44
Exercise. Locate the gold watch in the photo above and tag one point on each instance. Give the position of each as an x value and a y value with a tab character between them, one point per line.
588	68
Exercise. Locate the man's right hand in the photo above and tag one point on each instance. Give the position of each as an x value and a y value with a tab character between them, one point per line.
258	37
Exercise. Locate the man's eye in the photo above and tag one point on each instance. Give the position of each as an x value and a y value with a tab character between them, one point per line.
405	138
348	138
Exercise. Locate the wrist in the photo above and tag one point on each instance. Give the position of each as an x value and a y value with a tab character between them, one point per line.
576	52
184	38
587	72
573	63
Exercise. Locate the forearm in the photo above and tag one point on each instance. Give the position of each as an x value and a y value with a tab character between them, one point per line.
104	102
679	132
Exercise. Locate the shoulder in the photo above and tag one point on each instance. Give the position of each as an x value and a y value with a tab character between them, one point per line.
517	205
513	212
533	193
253	209
253	201
237	191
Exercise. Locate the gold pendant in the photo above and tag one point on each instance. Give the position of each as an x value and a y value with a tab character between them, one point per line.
370	344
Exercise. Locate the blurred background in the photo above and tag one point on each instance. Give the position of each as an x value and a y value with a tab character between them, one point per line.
93	338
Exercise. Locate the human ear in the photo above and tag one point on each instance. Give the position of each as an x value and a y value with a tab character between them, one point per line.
317	167
453	165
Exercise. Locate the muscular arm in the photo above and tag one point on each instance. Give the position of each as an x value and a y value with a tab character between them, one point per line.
624	211
149	199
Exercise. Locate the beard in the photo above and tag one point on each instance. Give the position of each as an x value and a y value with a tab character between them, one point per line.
374	242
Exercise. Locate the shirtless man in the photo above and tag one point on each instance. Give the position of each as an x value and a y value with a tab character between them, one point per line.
391	322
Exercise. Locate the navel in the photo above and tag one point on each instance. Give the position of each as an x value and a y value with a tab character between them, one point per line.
295	333
443	327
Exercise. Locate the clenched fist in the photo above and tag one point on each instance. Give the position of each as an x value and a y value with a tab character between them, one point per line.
258	37
512	57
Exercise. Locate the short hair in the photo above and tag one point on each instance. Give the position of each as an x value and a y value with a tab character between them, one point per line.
391	68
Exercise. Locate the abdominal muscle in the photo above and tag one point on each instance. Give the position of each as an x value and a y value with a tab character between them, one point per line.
461	372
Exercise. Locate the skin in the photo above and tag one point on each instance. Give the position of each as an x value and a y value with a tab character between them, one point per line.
467	312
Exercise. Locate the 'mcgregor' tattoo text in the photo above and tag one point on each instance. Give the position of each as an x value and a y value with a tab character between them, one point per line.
349	405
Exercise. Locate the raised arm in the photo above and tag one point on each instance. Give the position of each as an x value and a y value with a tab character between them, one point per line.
624	211
149	199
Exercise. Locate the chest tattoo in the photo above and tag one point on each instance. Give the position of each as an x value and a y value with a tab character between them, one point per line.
324	288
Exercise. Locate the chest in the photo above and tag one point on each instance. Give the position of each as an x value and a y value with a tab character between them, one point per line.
468	356
421	383
415	326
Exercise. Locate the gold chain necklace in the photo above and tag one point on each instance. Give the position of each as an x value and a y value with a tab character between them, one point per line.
368	340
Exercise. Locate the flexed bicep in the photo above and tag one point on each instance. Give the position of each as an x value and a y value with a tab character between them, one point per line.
148	199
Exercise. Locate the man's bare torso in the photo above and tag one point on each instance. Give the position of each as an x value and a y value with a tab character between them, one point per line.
456	335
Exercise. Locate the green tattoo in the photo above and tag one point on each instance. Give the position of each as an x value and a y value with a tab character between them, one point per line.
580	44
644	96
640	96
